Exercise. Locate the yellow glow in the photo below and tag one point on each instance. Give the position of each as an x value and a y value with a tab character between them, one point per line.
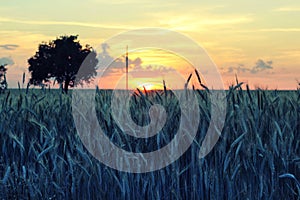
234	33
158	57
157	65
150	86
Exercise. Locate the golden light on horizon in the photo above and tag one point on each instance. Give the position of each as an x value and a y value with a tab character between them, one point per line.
151	86
147	67
234	33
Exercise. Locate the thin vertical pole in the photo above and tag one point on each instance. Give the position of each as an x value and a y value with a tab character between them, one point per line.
127	67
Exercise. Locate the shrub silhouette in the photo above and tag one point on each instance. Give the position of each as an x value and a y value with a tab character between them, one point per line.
3	82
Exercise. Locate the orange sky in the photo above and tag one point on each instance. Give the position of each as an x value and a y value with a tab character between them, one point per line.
258	40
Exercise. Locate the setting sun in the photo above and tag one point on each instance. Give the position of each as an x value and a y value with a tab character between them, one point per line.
150	86
146	67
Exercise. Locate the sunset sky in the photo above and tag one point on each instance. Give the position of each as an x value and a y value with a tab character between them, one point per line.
257	40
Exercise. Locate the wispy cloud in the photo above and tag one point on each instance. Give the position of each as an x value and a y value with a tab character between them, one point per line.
287	9
151	71
287	30
259	66
290	53
198	21
279	30
225	20
152	3
6	61
240	68
65	23
116	66
9	46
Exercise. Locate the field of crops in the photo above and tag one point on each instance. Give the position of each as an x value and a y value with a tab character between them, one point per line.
256	157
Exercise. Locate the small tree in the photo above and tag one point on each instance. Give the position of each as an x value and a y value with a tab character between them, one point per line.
60	60
3	82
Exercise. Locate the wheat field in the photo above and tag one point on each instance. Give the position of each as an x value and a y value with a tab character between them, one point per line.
256	157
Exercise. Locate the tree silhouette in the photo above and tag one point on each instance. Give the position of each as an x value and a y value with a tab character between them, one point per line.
3	82
60	60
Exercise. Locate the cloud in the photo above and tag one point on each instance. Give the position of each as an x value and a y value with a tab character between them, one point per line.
279	30
240	68
188	22
65	23
116	66
7	61
259	66
269	30
9	46
151	71
287	9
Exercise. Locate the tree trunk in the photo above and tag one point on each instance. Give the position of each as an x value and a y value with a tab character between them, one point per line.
66	87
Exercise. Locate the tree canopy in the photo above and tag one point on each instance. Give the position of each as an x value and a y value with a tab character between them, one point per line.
59	60
3	82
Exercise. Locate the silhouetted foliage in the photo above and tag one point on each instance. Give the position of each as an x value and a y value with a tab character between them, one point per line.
3	82
60	60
